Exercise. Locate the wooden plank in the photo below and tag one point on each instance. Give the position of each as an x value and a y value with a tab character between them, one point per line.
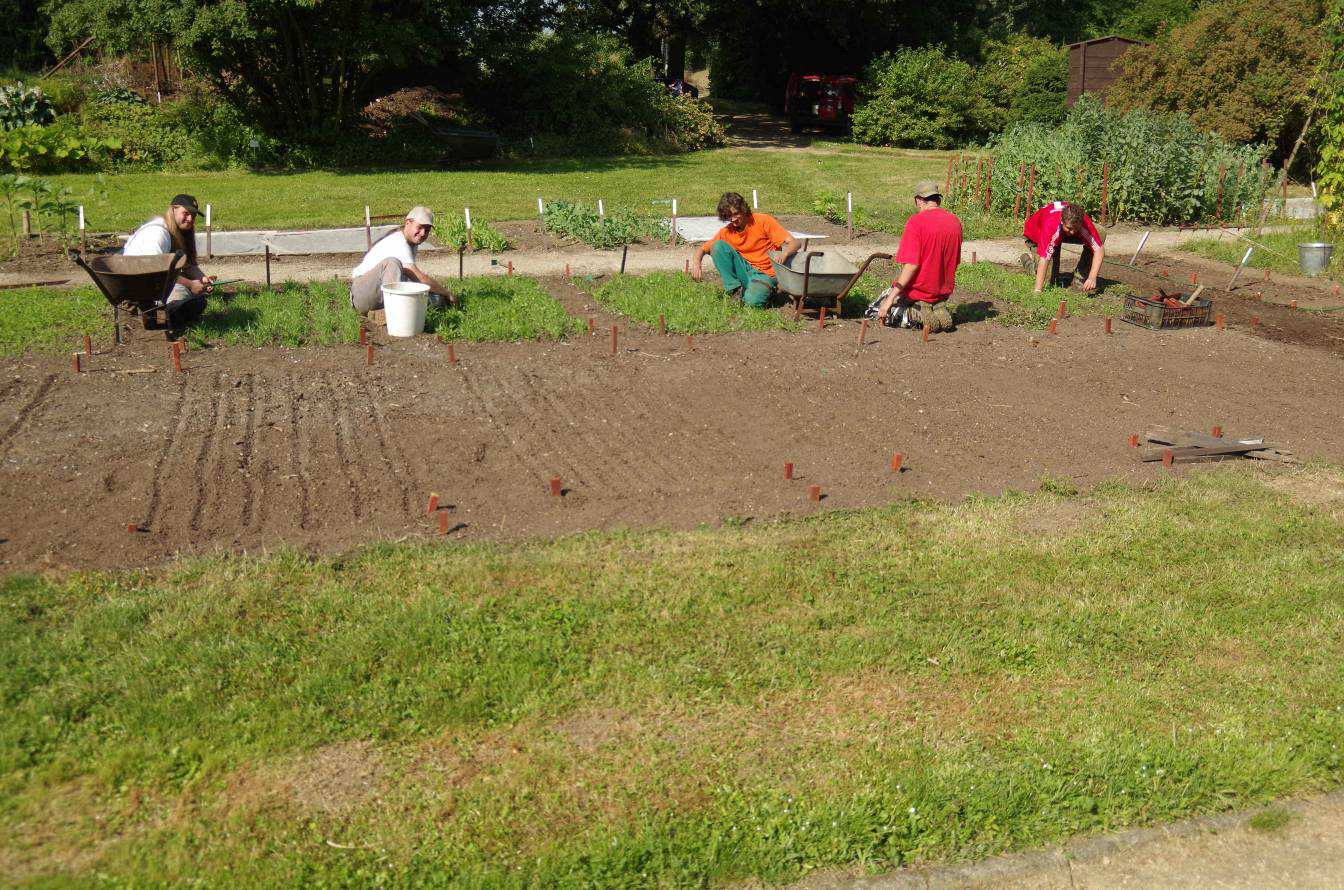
1186	437
1193	451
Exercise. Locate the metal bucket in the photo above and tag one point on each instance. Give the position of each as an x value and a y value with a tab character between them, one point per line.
1313	258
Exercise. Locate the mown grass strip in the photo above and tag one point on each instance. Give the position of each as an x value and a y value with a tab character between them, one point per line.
1282	256
1018	305
292	314
49	320
690	307
917	682
501	308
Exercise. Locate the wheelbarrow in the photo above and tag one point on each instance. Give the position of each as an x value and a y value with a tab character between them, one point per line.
817	274
138	284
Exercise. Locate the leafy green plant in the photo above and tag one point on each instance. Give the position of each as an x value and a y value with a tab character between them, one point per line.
23	106
451	230
689	307
52	148
583	223
1160	167
497	307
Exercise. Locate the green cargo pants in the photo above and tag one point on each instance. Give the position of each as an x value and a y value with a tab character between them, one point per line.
736	272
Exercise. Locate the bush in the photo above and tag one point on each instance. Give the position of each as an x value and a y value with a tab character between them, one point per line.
150	138
22	106
918	98
1241	68
582	94
1330	170
56	148
451	230
1163	169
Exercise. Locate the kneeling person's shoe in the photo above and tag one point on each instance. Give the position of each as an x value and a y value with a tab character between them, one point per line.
1027	263
942	317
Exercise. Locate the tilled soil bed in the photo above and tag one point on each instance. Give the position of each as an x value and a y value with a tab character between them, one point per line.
253	449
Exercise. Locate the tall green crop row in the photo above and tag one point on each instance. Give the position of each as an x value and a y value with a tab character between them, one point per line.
1154	167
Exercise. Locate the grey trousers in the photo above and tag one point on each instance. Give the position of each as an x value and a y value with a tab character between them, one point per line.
366	291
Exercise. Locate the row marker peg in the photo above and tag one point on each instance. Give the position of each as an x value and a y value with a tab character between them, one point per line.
788	470
88	346
1133	440
662	324
1063	309
821	319
1194	278
814	492
1218	432
510	267
863	332
1107	324
556	490
974	258
1292	304
896	460
1053	328
132	528
1168	458
567	275
452	354
368	356
363	335
75	363
1220	321
690	344
443	522
590	327
177	356
613	339
924	334
1255	321
433	503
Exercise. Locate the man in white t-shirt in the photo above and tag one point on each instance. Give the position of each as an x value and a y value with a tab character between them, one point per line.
392	259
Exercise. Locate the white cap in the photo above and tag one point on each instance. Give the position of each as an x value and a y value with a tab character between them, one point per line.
422	215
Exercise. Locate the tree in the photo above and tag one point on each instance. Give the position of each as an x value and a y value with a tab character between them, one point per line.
918	98
1242	69
1330	169
298	67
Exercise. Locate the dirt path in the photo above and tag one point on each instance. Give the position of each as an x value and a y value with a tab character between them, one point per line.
256	448
1296	844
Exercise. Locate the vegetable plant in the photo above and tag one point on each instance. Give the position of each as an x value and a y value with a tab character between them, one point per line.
688	306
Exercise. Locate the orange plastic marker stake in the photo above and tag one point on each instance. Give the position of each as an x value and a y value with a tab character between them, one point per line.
613	339
814	492
1133	440
1255	321
1220	320
1063	309
75	362
88	345
177	356
662	324
1292	304
452	355
1217	432
1168	458
590	327
896	460
821	319
788	470
555	487
433	503
1054	328
368	356
363	336
924	335
443	523
689	343
1107	325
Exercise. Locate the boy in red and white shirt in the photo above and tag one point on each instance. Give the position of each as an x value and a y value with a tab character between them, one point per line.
1061	222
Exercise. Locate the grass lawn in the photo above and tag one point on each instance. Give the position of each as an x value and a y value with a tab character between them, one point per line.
501	308
48	320
1018	305
919	682
1283	258
690	307
788	182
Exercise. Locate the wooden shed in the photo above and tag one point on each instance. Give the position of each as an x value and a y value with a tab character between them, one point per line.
1092	64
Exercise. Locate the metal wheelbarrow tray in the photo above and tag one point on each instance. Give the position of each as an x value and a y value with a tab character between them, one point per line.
138	284
818	274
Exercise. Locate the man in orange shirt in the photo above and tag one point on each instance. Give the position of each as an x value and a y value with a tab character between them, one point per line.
741	250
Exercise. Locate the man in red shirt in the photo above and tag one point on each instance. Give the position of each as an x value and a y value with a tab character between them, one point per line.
930	251
741	250
1061	222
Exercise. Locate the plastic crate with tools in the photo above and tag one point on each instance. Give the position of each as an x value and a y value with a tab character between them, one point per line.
1162	313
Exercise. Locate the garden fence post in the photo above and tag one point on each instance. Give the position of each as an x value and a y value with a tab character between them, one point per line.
466	217
849	213
1242	265
268	266
1142	241
601	209
541	220
672	236
755	205
947	183
209	234
83	239
368	229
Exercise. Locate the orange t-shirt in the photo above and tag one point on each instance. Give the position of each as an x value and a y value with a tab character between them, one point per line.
761	235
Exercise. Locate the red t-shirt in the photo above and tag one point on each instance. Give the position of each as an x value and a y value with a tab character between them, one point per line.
932	238
1046	231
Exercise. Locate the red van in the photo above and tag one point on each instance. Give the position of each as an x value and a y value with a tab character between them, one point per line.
820	100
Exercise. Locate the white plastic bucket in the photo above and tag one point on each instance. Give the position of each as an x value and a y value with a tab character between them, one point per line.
405	304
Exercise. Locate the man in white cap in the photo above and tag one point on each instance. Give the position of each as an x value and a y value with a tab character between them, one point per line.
392	259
